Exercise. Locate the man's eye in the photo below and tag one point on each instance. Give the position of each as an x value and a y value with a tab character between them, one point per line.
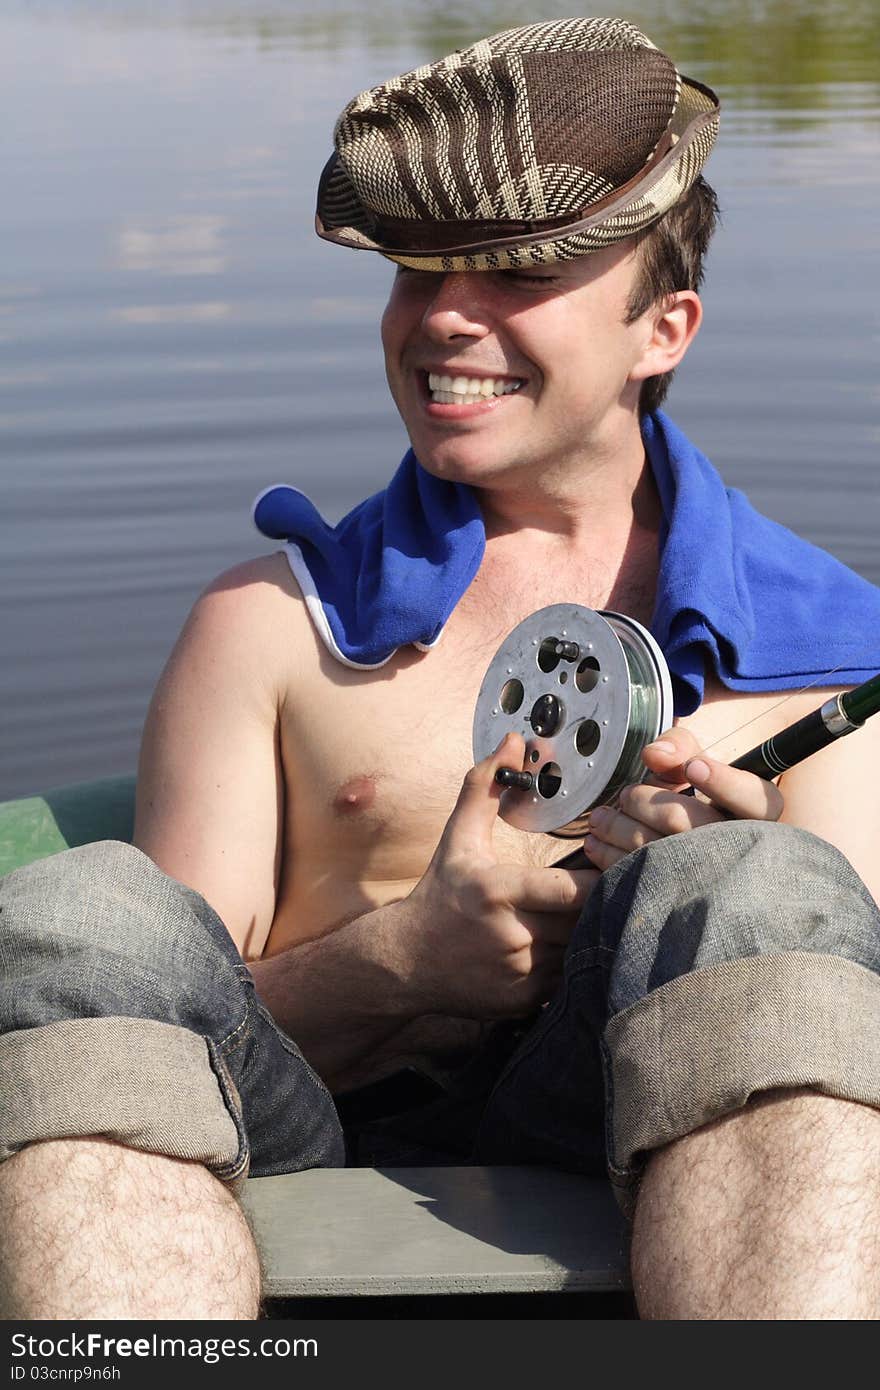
529	277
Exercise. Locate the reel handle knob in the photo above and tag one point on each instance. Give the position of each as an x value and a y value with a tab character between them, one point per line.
509	777
568	651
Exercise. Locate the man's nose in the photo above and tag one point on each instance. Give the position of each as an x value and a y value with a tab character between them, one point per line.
457	308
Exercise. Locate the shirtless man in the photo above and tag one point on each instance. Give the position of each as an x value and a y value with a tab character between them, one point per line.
389	917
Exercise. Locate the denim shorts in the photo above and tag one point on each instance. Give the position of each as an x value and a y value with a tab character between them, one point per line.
705	968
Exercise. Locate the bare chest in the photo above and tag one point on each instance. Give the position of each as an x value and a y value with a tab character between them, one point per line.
374	760
374	764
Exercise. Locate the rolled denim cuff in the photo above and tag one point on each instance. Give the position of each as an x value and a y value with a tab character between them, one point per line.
148	1085
698	1047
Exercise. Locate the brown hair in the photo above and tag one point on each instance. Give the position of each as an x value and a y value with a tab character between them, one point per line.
671	253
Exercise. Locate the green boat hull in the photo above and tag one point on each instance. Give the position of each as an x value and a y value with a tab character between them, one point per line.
34	827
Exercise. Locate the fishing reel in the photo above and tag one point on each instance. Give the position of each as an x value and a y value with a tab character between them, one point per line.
587	690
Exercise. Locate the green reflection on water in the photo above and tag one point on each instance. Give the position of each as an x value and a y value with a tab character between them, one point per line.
744	45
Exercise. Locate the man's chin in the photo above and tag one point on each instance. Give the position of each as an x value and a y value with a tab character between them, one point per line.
455	465
455	470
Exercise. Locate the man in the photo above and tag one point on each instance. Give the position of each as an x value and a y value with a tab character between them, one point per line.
711	1000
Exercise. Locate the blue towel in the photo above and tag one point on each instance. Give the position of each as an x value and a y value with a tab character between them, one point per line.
737	594
743	596
391	572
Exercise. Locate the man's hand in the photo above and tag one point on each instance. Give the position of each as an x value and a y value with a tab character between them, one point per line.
485	939
657	807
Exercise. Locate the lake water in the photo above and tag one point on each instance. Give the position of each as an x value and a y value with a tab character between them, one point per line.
173	337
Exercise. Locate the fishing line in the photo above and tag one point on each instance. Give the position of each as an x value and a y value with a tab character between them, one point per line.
792	695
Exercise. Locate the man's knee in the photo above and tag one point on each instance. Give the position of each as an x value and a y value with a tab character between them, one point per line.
117	989
724	893
122	1233
106	891
742	958
100	930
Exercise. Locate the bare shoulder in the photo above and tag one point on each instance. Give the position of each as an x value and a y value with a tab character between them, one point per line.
253	594
260	576
251	619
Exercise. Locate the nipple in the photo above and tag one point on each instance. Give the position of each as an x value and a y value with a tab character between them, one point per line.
355	795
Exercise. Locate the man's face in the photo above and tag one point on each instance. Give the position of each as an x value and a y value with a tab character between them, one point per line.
496	372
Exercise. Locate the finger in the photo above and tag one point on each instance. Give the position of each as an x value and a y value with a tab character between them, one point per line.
546	890
473	817
603	855
617	829
668	812
741	794
549	931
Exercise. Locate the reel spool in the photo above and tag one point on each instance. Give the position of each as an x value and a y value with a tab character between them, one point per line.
587	690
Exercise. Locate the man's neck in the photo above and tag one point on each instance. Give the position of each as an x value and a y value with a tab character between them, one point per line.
587	502
600	544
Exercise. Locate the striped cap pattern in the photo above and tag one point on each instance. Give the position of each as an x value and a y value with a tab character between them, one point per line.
539	144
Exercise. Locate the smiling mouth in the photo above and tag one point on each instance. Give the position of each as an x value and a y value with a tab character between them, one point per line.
464	390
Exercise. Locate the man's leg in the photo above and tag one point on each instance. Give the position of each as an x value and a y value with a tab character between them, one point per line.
770	1213
95	1230
727	984
742	1057
127	1013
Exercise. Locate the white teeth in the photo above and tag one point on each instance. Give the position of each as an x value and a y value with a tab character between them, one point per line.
462	390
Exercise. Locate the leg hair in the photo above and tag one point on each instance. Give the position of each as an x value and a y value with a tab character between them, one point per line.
90	1229
770	1213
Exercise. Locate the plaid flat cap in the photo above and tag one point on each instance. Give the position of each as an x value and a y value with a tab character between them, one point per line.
539	144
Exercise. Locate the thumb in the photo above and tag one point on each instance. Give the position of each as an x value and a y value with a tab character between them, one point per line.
667	755
470	826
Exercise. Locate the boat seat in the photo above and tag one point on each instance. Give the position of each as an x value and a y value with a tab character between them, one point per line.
384	1232
381	1232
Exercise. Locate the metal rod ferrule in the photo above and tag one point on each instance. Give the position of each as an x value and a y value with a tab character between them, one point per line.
835	718
863	701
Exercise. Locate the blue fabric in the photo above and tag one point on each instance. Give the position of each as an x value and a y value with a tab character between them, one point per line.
737	594
744	597
391	572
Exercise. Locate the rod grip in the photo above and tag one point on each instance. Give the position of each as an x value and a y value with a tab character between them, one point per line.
777	754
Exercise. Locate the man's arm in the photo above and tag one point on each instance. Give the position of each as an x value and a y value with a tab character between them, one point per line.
210	813
836	794
210	791
475	939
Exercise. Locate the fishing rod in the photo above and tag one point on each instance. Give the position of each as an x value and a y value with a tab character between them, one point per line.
839	716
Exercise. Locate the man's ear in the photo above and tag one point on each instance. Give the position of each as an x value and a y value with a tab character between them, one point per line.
671	327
